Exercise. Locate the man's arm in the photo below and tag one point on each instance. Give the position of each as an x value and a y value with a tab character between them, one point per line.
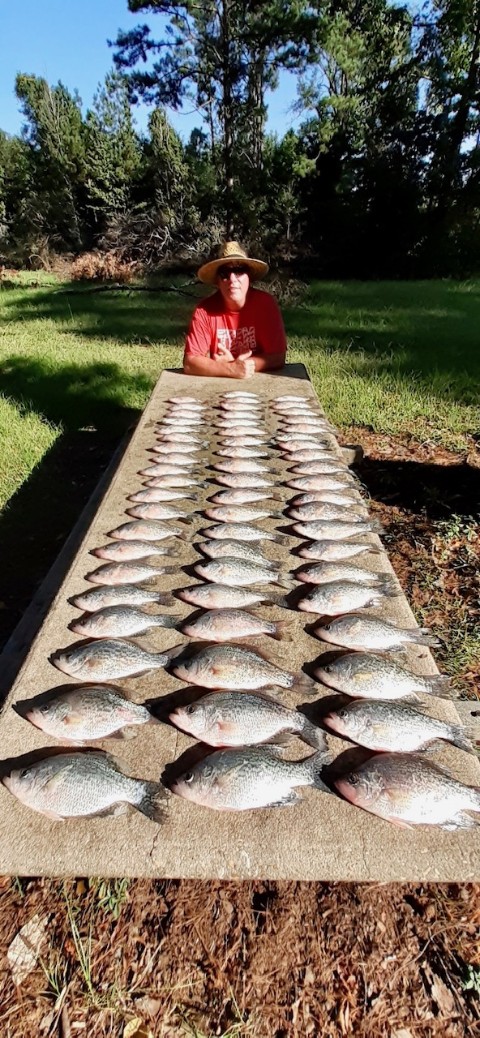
270	361
242	367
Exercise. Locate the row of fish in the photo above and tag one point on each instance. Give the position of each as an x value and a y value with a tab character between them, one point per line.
234	568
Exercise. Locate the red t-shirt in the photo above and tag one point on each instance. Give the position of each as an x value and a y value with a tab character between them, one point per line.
258	327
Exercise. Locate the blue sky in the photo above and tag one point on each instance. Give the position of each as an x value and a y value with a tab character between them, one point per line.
67	40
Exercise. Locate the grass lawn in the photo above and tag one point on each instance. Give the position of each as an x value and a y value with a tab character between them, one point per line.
400	357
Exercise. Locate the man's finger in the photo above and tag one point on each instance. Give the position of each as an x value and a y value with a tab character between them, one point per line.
244	356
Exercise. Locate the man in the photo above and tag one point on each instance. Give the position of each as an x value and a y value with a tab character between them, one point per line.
239	330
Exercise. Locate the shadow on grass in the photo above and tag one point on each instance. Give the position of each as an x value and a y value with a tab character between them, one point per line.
429	490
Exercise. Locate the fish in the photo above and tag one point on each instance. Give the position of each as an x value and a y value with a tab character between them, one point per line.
325	572
120	594
147	530
134	572
305	423
245	440
329	466
174	420
336	529
79	784
407	789
171	481
124	551
393	727
242	532
159	494
231	427
106	660
240	514
117	621
221	596
238	393
173	461
289	398
159	510
233	667
339	596
321	481
216	549
187	400
366	676
86	713
244	719
221	625
242	452
367	632
242	465
239	573
177	438
233	496
333	551
247	778
243	480
312	453
165	468
346	497
352	513
168	449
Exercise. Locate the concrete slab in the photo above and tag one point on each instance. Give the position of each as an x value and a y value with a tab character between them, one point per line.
322	838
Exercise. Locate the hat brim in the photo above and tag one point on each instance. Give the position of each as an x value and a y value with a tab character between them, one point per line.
208	272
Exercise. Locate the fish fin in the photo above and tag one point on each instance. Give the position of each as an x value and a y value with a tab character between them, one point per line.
171	552
276	496
463	737
316	763
153	801
165	621
124	734
303	683
169	569
277	599
187	520
286	582
280	539
165	599
283	630
425	637
280	739
461	821
440	686
287	801
312	735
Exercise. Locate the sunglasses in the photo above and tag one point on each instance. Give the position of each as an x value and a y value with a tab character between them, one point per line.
224	272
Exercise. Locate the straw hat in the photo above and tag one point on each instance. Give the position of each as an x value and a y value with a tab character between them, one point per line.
231	252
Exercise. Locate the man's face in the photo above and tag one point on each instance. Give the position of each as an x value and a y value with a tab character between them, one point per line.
233	283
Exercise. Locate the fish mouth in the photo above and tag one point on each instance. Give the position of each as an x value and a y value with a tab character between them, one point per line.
7	782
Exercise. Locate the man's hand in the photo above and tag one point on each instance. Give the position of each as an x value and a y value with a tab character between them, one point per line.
244	365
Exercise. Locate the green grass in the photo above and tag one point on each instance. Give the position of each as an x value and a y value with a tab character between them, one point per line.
398	357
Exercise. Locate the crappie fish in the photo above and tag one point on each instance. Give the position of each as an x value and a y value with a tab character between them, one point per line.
147	530
216	549
221	625
171	481
238	393
187	400
333	551
231	667
326	572
322	481
239	513
169	449
329	466
177	438
243	480
243	497
336	529
242	465
159	510
407	789
86	713
120	594
127	573
239	573
242	532
367	632
178	420
165	468
338	596
366	676
243	440
393	727
239	780
353	513
173	461
159	494
79	784
312	453
347	497
125	551
242	452
118	621
221	596
106	660
244	719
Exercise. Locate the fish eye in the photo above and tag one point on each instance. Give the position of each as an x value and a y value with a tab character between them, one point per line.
23	773
188	777
354	779
327	668
190	709
343	712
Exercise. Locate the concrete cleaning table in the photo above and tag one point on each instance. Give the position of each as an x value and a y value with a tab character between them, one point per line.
323	838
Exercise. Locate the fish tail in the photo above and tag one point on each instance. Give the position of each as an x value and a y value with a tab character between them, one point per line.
276	496
153	801
165	599
282	630
390	587
169	569
172	554
286	582
438	685
165	621
376	526
302	683
279	600
424	637
280	539
463	738
315	764
186	519
313	736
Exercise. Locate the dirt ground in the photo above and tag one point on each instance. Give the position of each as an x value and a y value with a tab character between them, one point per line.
274	960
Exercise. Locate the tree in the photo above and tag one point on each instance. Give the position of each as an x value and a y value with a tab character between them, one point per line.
113	153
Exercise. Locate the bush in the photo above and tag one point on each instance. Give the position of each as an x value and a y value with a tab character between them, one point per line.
107	266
